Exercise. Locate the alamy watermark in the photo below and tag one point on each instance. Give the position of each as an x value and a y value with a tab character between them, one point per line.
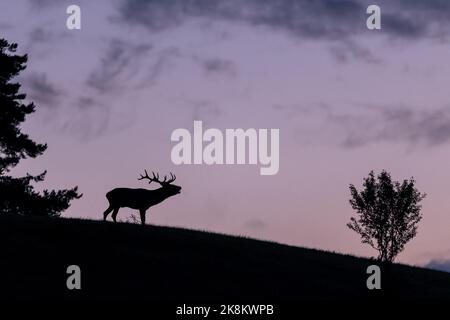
235	146
73	21
74	278
374	280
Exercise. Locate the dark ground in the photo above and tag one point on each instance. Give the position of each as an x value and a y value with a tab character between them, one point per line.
125	262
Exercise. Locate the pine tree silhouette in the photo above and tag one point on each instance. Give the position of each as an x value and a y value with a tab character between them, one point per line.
17	195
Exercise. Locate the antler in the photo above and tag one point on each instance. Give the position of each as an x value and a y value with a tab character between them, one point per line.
155	178
172	178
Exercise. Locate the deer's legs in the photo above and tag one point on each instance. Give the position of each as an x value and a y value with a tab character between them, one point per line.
107	212
114	214
142	213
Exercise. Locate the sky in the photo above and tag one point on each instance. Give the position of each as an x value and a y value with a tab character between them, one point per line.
346	100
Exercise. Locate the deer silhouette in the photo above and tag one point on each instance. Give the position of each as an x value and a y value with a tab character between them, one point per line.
140	199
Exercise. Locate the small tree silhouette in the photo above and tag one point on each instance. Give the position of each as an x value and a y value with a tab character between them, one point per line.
17	195
388	213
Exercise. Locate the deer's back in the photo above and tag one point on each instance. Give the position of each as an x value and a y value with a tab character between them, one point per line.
127	197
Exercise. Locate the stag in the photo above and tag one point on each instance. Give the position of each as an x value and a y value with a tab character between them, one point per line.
140	199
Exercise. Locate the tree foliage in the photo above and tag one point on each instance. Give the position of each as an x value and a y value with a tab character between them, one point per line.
388	213
17	195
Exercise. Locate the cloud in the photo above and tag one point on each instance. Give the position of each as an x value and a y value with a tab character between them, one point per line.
298	17
87	102
41	90
429	128
255	224
204	110
372	124
44	4
340	22
441	265
329	19
349	50
40	35
120	62
163	60
87	119
218	66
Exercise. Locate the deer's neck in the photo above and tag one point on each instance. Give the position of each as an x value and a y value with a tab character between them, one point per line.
161	193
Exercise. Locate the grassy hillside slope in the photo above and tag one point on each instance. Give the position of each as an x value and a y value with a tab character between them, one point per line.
124	261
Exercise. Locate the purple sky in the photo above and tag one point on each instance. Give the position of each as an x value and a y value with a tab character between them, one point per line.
346	100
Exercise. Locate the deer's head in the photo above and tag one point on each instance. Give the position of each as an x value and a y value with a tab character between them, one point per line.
165	184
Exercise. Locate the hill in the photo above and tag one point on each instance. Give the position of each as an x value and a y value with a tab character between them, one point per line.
131	262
